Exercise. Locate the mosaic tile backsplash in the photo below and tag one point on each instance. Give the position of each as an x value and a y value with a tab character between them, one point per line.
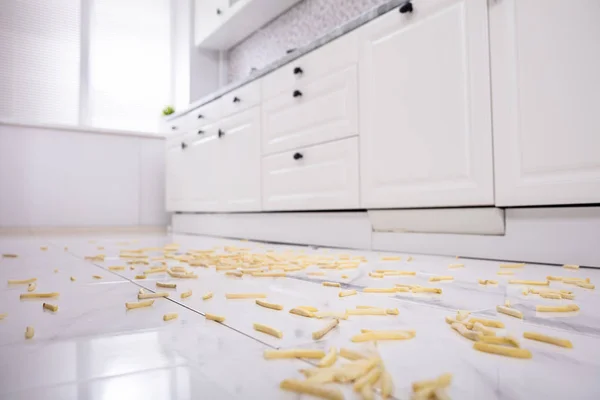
300	25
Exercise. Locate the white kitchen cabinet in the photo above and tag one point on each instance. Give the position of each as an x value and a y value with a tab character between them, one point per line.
321	177
239	163
209	15
545	59
313	112
425	119
201	172
175	180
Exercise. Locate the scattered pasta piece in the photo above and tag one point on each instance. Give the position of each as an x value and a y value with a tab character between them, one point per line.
21	281
272	306
380	290
547	295
452	266
293	353
426	290
329	359
554	278
441	278
567	308
399	273
9	255
187	294
571	266
322	332
139	304
29	332
142	296
351	354
207	296
309	308
50	307
268	330
368	379
392	311
156	270
302	312
505	273
313	389
503	340
487	322
269	274
509	311
317	273
31	287
166	285
39	295
170	316
524	282
237	274
450	320
384	335
116	268
520	265
586	285
502	350
331	284
213	317
442	381
567	296
346	293
391	258
96	277
479	327
548	339
574	281
232	296
471	335
140	277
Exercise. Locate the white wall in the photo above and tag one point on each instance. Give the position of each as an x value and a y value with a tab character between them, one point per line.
61	177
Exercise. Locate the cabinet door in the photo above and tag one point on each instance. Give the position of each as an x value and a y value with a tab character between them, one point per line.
239	174
175	188
209	15
202	173
545	85
425	119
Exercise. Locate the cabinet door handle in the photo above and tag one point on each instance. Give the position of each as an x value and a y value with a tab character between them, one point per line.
236	99
298	156
183	146
298	71
406	8
221	133
173	128
297	93
200	132
219	12
200	116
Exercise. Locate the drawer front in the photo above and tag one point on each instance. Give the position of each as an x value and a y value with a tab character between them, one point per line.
203	116
240	99
177	125
323	110
319	177
323	61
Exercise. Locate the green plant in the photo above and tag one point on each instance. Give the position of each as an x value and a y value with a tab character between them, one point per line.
168	110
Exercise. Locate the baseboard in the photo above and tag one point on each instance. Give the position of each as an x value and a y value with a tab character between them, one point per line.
74	230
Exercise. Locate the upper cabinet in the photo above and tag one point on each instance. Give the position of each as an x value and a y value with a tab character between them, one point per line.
220	24
425	118
545	83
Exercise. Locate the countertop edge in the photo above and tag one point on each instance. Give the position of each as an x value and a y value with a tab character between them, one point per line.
323	40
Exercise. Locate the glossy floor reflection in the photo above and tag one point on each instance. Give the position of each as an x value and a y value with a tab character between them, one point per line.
93	348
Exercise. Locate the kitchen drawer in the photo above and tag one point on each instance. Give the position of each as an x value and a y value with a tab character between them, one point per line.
204	115
240	99
176	125
319	177
325	60
322	110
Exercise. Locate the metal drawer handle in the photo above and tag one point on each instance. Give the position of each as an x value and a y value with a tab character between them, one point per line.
219	12
183	146
298	156
406	8
200	132
236	100
298	71
200	116
221	133
173	128
297	93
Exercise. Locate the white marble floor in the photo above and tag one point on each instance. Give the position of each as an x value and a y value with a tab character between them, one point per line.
93	348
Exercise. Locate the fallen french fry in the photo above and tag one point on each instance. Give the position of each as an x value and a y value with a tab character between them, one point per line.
139	304
331	284
367	393
487	322
574	281
266	304
441	278
387	385
502	350
302	312
461	315
318	273
567	296
566	308
399	273
509	311
293	353
322	332
548	339
233	296
142	296
268	330
471	335
554	278
39	295
383	335
503	340
170	316
29	332
380	290
269	274
31	287
313	389
155	270
346	293
329	359
187	294
216	318
166	285
21	281
237	274
571	266
525	282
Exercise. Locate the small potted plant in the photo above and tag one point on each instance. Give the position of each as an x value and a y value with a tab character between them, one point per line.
168	110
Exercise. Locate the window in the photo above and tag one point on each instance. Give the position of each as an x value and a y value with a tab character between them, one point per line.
98	63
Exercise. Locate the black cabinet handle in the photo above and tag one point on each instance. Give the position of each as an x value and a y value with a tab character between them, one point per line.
236	99
406	8
200	132
200	116
173	128
298	156
183	146
219	12
298	71
297	93
221	133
